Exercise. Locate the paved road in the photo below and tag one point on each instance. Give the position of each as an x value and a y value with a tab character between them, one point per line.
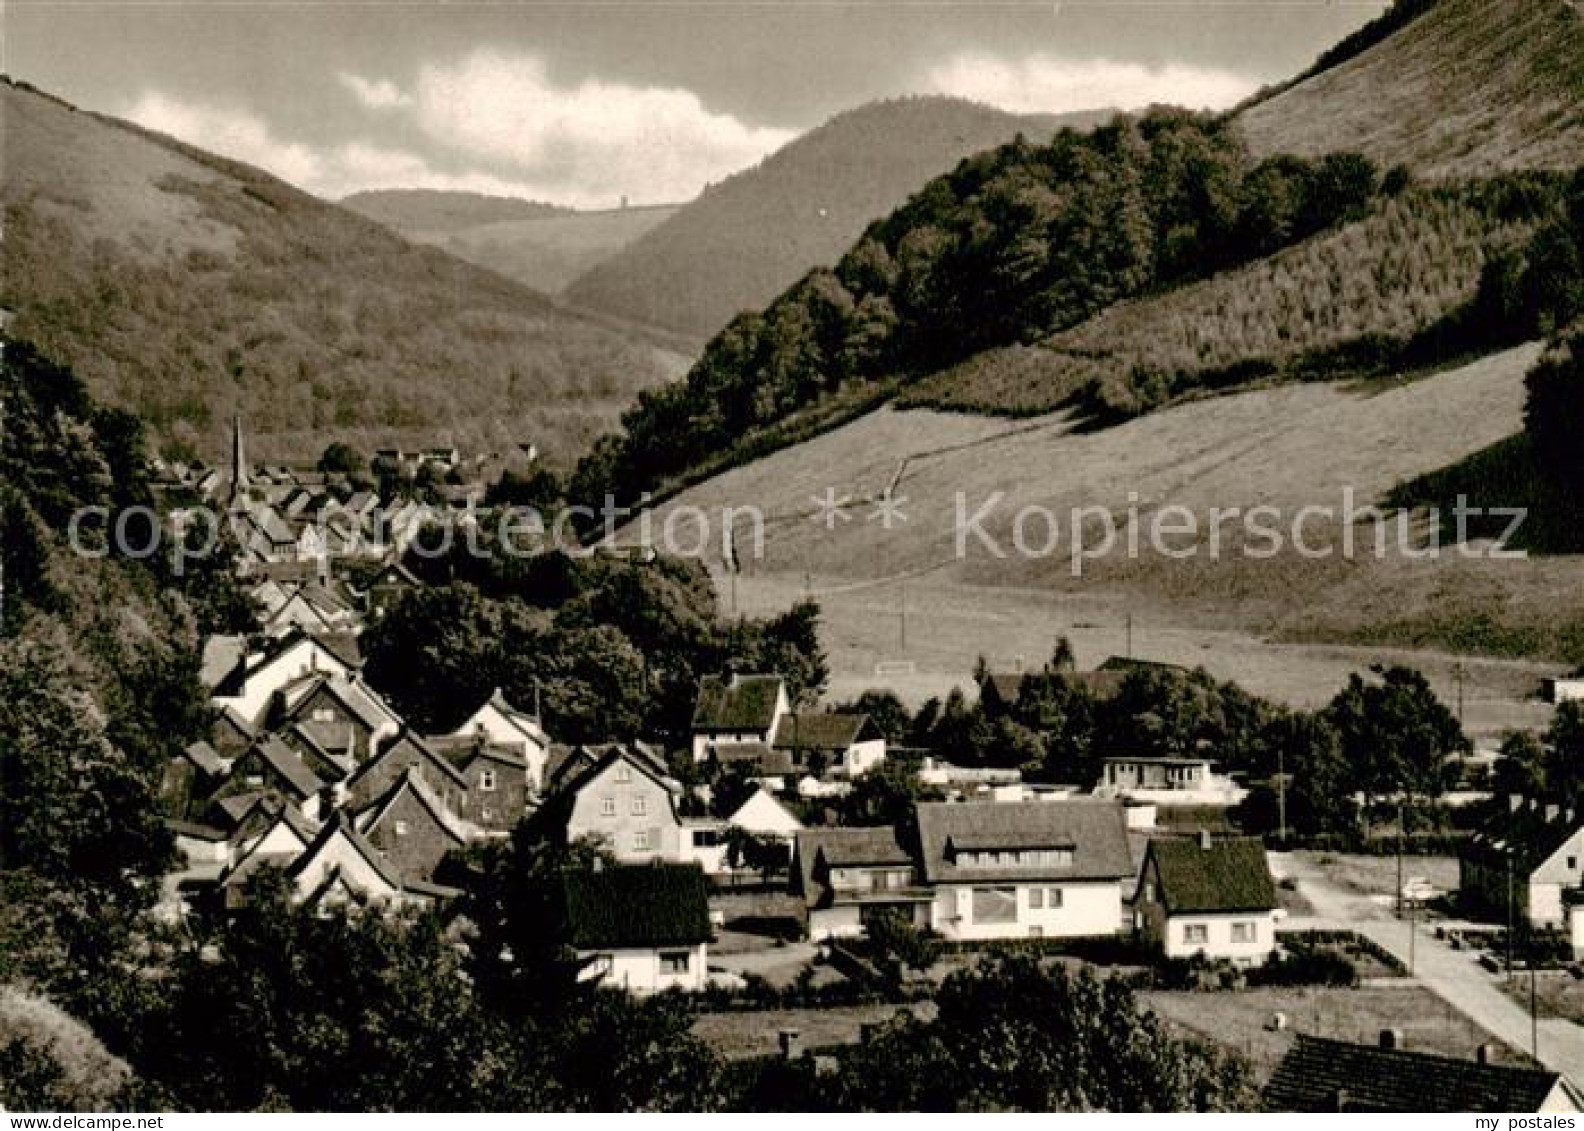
1451	974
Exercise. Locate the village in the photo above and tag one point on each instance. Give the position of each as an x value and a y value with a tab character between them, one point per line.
1355	979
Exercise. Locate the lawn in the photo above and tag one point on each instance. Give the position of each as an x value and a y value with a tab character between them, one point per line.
1239	1019
1557	994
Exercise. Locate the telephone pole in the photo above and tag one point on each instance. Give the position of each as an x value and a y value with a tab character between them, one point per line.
1130	636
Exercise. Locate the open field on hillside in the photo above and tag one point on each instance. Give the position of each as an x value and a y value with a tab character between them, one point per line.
1290	626
1470	85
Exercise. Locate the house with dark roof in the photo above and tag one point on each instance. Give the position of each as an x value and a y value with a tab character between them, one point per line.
342	714
412	829
829	743
341	867
249	689
741	708
497	779
1207	895
273	767
1024	869
1524	859
500	723
847	876
642	927
408	751
273	837
1318	1074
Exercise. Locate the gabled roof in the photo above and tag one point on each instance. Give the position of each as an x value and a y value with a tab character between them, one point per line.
341	826
1528	836
233	810
1094	830
1005	685
342	645
1125	664
304	830
1318	1072
289	765
1231	874
329	765
747	703
359	700
822	731
370	816
759	799
633	906
404	740
637	755
842	848
235	682
205	757
463	750
755	756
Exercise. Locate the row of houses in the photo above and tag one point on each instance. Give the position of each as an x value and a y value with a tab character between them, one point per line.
985	870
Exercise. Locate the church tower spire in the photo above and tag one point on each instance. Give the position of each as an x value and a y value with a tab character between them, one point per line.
239	469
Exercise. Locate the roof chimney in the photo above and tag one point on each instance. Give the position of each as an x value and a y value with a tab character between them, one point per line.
1391	1039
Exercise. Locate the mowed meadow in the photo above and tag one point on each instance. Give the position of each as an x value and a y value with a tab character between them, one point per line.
1289	627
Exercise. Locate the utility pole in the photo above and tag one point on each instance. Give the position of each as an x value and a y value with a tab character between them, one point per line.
1130	636
1281	793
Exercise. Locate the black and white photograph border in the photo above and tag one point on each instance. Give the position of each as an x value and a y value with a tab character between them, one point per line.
853	556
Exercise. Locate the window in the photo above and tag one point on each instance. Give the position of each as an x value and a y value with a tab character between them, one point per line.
487	781
1149	892
640	806
1053	898
401	828
607	806
486	814
675	962
641	840
1036	932
1036	898
1196	934
1242	932
995	905
323	715
623	772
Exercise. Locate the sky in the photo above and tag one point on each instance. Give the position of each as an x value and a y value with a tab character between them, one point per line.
583	104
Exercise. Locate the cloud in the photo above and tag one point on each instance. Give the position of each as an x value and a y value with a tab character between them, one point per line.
375	94
327	171
585	142
1050	84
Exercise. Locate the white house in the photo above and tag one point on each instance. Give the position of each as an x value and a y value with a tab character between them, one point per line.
252	684
1562	689
1168	781
1201	895
342	867
1031	869
829	743
624	799
1524	859
642	927
846	876
741	709
499	722
764	816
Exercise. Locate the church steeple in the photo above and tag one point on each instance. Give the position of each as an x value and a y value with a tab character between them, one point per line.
240	485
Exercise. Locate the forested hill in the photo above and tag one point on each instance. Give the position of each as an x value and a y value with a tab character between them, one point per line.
1452	87
187	287
1164	256
746	239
